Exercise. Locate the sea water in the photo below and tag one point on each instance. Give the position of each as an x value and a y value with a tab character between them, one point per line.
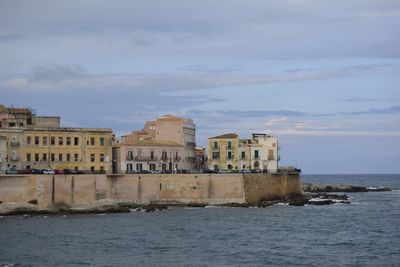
363	233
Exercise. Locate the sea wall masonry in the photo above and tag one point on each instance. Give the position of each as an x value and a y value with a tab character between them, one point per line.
65	190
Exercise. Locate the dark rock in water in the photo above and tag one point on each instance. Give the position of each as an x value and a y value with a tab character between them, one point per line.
321	202
155	207
298	200
237	205
268	203
151	209
378	189
307	187
33	202
196	205
330	196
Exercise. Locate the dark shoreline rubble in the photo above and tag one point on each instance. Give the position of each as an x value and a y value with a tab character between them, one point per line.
330	188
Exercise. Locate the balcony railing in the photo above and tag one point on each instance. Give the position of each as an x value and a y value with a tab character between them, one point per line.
14	143
229	147
15	158
141	158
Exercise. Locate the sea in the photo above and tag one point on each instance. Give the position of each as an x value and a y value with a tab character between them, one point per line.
363	233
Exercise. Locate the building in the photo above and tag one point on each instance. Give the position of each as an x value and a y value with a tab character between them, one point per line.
170	129
39	142
201	158
228	152
148	155
223	151
3	154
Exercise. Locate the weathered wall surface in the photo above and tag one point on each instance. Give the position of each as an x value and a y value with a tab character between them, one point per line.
50	190
274	186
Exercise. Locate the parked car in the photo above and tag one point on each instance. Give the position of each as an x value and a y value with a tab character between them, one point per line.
11	170
25	171
209	171
48	171
144	172
58	172
244	171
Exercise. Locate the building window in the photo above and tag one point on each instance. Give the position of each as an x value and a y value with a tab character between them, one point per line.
129	167
229	154
60	140
164	155
102	141
176	156
52	140
76	141
229	145
243	155
76	168
52	157
60	157
92	141
76	157
164	167
256	154
102	168
68	141
36	140
28	157
101	157
92	158
216	167
152	155
36	156
215	145
92	168
11	124
139	166
130	155
229	167
68	157
152	167
28	140
44	157
215	155
44	140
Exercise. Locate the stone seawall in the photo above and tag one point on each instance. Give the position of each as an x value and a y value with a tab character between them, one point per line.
54	191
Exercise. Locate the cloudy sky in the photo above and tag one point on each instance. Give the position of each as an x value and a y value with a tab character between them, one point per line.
323	76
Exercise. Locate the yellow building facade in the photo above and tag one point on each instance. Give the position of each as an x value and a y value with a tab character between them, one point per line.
86	149
223	152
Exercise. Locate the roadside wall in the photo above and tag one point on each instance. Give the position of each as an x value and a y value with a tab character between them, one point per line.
51	190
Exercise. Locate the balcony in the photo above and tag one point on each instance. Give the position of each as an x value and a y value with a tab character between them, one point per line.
215	148
14	143
141	158
229	147
14	158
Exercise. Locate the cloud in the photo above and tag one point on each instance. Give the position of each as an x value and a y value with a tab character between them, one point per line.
59	77
57	73
391	110
262	113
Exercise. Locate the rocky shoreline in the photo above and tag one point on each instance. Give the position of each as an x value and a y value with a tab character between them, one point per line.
313	195
333	188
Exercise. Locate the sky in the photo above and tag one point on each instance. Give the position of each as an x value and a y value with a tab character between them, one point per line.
322	76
